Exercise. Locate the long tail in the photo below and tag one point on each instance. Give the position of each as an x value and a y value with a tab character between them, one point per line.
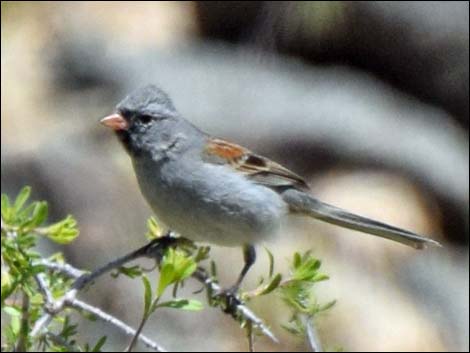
303	203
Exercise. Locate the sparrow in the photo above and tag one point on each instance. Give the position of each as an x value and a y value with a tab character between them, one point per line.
213	191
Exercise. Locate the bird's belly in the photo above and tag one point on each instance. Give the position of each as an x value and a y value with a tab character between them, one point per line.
226	210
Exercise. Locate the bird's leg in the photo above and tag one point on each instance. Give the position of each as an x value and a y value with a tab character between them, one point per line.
249	256
230	294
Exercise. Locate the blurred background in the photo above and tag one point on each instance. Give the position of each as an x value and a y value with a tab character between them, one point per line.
368	100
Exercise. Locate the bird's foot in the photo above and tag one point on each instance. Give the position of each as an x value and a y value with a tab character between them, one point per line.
230	298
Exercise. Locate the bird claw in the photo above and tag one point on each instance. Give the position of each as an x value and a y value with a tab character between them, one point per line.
231	298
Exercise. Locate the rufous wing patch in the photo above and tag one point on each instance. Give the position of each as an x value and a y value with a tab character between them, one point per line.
226	150
259	168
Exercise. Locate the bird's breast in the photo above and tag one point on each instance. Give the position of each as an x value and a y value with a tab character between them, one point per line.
210	203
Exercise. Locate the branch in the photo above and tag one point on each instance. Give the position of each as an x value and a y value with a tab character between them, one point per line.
312	334
43	288
155	249
64	268
129	331
82	278
52	308
46	319
202	276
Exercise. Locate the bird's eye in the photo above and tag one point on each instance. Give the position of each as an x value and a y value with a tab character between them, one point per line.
145	119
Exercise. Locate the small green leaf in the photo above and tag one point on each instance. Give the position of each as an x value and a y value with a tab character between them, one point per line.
272	285
5	201
34	215
202	253
167	276
12	311
129	271
40	212
154	229
6	279
8	289
295	330
26	212
186	269
183	304
147	295
6	208
297	260
327	306
271	262
99	344
213	269
175	267
320	277
22	198
15	324
63	232
295	326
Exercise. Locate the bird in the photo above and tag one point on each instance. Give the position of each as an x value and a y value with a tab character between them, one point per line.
214	191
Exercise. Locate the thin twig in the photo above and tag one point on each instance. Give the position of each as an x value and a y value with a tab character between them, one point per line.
154	249
64	268
41	324
41	281
84	279
201	275
250	335
312	334
137	333
129	331
46	319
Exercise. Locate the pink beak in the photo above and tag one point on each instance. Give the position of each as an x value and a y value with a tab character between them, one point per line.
115	122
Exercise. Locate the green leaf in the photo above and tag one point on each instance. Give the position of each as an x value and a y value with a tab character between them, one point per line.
297	260
295	326
271	262
35	214
6	279
12	311
175	267
63	232
320	277
295	330
8	289
40	212
6	208
213	269
327	306
183	304
167	276
15	324
25	212
305	267
129	271
147	295
22	198
202	253
99	344
272	285
154	229
187	268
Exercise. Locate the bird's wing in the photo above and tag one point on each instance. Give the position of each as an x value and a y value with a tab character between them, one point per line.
257	168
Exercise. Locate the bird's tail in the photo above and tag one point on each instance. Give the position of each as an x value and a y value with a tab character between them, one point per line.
301	202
